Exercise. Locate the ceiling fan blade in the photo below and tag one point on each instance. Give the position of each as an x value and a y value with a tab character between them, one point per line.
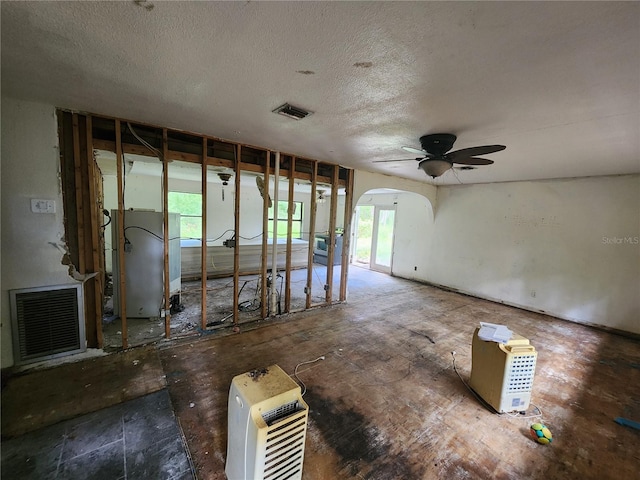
470	152
413	150
473	161
397	160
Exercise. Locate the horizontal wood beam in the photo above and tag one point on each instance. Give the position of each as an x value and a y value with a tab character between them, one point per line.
212	161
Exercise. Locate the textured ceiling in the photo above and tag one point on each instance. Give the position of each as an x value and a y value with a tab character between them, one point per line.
558	83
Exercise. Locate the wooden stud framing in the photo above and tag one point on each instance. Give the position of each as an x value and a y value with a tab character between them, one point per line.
82	228
203	259
236	248
332	234
95	233
287	292
88	222
214	161
121	270
265	237
79	203
312	233
346	236
165	219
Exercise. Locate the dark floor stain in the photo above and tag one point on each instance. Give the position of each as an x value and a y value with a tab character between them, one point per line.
422	335
356	441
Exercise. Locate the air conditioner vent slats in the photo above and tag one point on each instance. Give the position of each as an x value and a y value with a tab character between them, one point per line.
267	427
290	111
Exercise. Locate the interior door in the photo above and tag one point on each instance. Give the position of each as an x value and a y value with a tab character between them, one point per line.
382	238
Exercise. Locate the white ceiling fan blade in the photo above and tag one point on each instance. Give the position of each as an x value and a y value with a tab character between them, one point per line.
413	150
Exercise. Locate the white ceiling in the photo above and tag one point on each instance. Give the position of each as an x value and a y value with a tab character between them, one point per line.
558	83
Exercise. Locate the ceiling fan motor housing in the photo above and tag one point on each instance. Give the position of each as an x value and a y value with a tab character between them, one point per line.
437	143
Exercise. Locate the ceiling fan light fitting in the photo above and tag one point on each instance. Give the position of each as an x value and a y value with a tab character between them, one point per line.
434	168
225	178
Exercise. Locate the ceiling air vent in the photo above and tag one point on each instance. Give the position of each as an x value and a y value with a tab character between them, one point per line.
290	111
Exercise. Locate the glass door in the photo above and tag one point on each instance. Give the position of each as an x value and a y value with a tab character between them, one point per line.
382	239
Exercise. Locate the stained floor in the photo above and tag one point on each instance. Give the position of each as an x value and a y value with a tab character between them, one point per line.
138	439
386	402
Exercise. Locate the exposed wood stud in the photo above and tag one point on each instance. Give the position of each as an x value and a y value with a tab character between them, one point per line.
121	260
332	234
203	265
312	233
97	247
265	235
287	292
77	162
236	232
346	236
165	215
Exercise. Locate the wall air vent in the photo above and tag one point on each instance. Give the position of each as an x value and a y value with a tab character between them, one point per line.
290	111
47	322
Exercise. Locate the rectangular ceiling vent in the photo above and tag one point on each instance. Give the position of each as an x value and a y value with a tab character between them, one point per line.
48	322
290	111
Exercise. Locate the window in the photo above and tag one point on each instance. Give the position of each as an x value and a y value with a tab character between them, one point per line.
296	224
189	206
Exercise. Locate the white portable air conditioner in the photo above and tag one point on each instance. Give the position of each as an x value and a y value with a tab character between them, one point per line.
267	426
502	373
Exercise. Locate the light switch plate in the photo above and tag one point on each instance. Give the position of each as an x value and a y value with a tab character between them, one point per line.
43	206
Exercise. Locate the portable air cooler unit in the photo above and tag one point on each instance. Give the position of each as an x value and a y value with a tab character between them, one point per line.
267	426
502	373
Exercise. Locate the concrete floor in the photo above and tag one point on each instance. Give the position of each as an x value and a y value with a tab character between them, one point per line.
386	402
219	306
138	439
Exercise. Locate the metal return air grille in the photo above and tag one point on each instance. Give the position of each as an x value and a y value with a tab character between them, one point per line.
285	448
520	373
47	322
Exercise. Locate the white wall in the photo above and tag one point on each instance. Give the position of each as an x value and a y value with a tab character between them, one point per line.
569	248
30	166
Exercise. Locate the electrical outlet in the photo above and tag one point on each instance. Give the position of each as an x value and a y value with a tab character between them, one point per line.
533	294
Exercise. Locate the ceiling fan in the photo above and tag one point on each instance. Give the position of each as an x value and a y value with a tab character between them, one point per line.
435	160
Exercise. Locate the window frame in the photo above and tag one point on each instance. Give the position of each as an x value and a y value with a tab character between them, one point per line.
299	212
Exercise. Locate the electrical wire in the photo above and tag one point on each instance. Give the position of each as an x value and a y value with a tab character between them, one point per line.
150	232
106	213
145	143
295	372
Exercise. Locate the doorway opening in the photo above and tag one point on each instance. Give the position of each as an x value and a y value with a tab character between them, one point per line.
373	238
